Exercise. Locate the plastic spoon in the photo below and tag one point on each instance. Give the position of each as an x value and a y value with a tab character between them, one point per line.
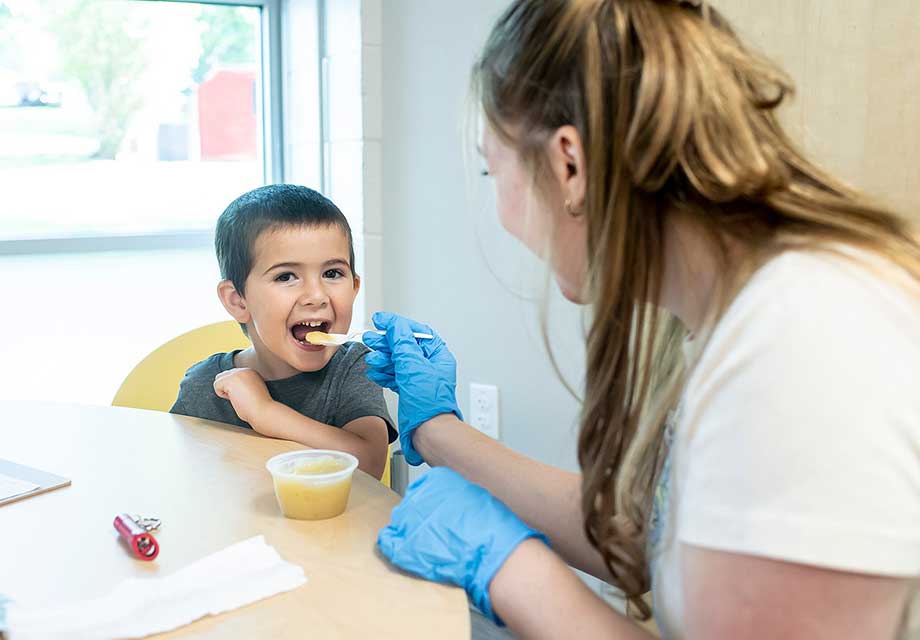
324	339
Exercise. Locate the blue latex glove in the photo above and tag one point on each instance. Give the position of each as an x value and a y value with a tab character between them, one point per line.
448	529
422	372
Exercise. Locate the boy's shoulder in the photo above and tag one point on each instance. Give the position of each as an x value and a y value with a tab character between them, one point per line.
351	353
210	367
196	395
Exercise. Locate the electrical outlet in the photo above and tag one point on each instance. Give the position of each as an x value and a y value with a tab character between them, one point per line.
484	408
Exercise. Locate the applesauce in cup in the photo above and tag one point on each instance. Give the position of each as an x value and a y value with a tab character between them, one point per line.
312	484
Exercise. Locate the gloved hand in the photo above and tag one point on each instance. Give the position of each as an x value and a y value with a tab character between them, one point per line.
422	372
448	529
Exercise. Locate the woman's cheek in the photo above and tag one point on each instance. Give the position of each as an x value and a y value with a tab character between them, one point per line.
508	214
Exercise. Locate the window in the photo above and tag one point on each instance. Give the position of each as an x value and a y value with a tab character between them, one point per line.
127	222
131	117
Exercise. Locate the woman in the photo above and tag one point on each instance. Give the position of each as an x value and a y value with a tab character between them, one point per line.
750	435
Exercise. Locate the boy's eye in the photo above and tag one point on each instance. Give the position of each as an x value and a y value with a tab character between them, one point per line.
287	276
333	274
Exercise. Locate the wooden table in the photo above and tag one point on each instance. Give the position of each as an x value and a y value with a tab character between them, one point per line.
208	483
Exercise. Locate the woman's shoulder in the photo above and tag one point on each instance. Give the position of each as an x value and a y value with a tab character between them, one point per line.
838	272
837	291
835	332
828	272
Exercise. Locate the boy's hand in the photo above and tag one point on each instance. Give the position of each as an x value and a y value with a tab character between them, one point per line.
246	391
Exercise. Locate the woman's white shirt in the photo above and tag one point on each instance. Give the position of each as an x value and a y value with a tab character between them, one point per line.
798	436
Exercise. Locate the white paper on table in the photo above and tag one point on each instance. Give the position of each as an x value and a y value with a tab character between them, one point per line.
137	607
11	487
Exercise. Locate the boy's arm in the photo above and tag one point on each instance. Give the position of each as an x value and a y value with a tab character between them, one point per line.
364	437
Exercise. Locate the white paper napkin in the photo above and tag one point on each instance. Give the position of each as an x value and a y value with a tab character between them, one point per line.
238	575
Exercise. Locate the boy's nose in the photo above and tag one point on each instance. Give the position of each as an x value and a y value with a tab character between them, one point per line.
314	297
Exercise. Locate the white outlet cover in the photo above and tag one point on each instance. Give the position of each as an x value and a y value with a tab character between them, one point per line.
484	408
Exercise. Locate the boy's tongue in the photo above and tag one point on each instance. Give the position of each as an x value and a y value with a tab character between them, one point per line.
300	331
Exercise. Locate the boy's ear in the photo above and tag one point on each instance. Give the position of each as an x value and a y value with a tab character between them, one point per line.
357	280
233	302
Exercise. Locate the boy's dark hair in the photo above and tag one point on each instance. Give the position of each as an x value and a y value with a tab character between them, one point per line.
270	207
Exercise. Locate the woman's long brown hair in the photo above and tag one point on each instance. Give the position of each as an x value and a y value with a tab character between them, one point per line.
677	118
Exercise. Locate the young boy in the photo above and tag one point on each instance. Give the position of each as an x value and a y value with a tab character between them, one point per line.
287	262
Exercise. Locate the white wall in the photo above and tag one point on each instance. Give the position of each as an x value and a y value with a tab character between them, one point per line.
75	324
435	220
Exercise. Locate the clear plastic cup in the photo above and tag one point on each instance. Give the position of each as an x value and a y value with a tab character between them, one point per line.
312	484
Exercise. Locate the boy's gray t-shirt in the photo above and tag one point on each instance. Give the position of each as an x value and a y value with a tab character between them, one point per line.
335	395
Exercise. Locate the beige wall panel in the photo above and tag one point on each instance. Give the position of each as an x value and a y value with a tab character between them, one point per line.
856	66
892	163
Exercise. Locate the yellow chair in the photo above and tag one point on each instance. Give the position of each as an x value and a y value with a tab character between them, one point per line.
154	382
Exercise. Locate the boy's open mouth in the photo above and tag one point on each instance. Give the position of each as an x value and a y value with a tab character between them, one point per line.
301	329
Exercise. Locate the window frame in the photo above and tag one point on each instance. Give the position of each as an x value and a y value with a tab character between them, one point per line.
271	137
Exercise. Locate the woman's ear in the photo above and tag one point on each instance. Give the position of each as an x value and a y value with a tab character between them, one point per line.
233	302
567	159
